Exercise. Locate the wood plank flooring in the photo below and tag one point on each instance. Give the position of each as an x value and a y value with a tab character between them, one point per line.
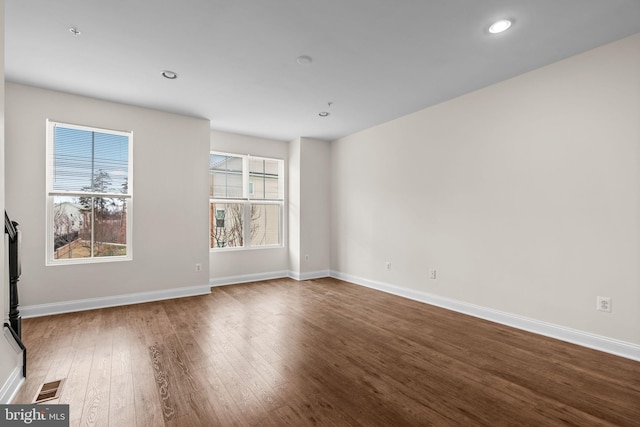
320	352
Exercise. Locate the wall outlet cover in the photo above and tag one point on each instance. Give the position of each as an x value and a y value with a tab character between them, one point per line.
603	304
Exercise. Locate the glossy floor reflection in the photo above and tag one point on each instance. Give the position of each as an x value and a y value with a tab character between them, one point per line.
321	352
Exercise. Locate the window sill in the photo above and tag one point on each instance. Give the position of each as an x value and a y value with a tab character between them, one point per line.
253	248
78	261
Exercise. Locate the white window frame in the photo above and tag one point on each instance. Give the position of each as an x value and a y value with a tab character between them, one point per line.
51	193
247	201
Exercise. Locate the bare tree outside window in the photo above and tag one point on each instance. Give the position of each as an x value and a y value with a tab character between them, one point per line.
65	230
88	193
227	224
104	212
82	221
246	201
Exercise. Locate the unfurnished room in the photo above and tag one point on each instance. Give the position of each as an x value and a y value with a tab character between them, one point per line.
332	213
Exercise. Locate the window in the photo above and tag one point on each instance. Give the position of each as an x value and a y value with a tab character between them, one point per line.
89	194
246	201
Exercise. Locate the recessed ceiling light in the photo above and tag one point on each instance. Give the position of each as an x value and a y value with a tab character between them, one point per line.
500	26
323	114
304	60
74	31
169	75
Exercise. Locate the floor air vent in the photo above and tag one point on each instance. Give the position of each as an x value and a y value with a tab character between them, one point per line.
49	391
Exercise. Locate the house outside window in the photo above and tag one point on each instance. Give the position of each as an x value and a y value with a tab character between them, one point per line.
220	214
246	201
89	197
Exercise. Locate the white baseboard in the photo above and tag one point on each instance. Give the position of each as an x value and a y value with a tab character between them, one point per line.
15	380
585	339
11	386
309	276
112	301
246	278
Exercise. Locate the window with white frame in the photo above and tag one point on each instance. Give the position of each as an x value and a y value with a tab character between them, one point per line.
246	201
89	194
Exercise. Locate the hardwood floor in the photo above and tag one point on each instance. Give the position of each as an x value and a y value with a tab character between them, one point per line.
321	352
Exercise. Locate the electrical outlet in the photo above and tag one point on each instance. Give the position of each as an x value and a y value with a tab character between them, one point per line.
387	265
198	267
604	304
306	257
432	273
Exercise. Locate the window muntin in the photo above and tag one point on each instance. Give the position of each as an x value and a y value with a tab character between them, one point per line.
227	228
225	176
265	224
246	201
264	179
89	194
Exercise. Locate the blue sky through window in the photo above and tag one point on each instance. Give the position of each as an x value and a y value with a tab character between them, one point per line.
80	156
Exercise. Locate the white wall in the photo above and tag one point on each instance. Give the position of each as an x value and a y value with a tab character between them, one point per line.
10	358
306	221
525	196
170	160
295	165
314	207
309	208
4	295
237	265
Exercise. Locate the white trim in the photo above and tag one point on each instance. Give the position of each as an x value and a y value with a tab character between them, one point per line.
15	380
309	276
95	260
51	194
12	342
247	200
585	339
246	278
11	386
55	123
112	301
90	194
244	248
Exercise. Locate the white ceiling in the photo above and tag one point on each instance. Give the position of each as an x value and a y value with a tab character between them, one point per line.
375	60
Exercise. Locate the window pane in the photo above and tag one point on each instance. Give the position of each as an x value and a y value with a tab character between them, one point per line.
91	161
71	226
225	176
265	225
72	159
264	179
82	164
226	225
110	227
111	161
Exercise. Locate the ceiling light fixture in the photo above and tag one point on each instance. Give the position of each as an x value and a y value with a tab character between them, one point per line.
74	31
325	113
500	26
169	75
304	60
